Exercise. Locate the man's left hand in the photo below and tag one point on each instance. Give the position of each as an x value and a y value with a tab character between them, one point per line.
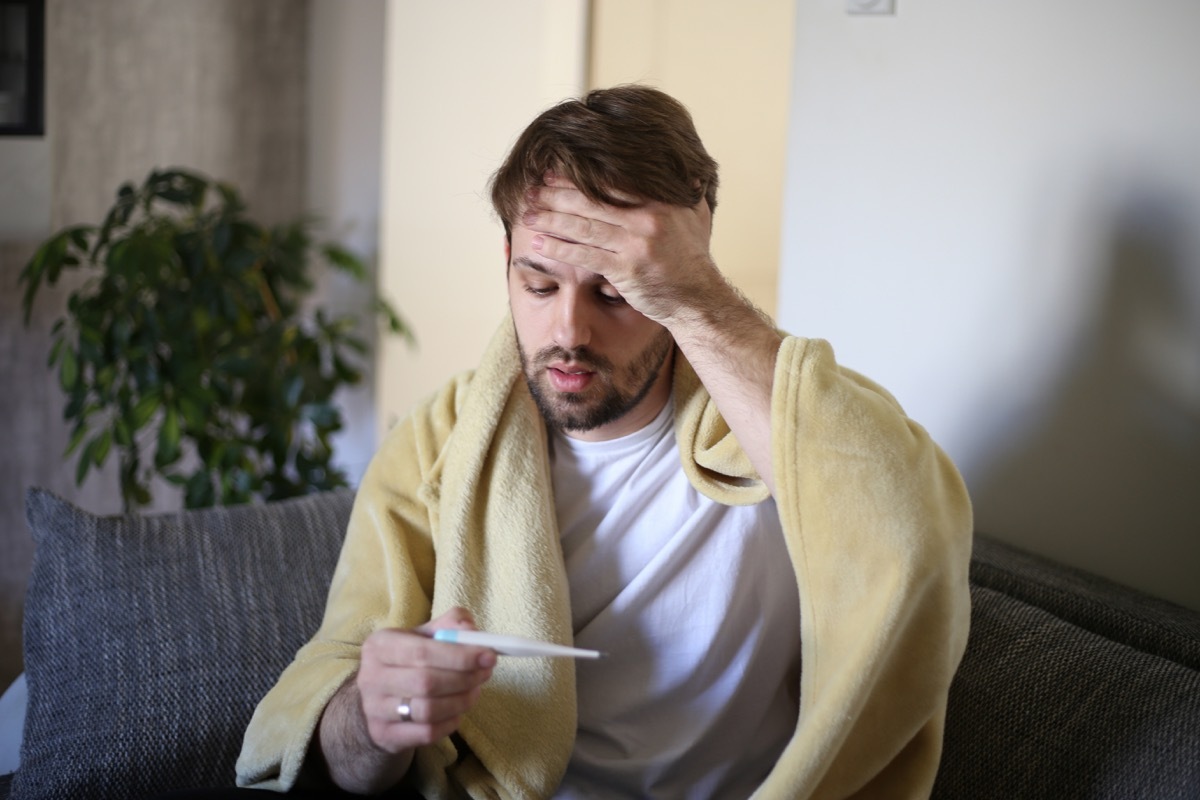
655	254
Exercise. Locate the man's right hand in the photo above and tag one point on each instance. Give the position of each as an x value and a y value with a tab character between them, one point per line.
366	744
439	682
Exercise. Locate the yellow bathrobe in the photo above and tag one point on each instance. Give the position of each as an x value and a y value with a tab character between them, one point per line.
456	509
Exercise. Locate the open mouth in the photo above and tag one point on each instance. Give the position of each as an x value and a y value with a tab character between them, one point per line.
570	378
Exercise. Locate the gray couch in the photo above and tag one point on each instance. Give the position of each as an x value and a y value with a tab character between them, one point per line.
149	640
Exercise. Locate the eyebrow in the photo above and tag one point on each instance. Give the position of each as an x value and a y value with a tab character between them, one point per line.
537	266
529	263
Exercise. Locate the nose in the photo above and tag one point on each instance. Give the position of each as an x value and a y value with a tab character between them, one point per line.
572	320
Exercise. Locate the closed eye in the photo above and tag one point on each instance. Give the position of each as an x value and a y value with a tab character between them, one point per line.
610	296
540	291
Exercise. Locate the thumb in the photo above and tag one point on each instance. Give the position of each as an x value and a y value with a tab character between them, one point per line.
456	617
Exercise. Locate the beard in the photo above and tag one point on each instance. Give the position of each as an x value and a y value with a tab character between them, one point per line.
614	392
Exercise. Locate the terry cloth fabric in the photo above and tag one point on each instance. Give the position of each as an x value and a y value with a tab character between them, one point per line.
456	509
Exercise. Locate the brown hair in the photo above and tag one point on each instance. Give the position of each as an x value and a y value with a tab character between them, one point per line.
628	140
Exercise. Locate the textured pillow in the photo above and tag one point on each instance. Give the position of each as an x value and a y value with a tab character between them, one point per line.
150	640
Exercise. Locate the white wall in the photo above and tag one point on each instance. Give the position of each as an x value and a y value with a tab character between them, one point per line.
462	80
994	210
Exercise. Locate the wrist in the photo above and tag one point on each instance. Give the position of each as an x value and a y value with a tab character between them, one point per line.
718	315
347	753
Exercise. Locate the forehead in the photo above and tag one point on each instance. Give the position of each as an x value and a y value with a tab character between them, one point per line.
525	259
556	271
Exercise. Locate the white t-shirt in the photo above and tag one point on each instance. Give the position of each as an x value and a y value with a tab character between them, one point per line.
695	604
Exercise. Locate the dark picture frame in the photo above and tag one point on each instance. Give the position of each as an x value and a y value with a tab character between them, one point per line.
22	67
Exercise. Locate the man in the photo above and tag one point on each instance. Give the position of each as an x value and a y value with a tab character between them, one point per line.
773	557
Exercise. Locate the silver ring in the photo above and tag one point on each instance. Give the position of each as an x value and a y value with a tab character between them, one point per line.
404	710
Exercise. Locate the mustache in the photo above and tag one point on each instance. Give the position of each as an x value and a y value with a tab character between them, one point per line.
578	355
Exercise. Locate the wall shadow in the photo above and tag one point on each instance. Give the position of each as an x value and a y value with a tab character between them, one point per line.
1108	476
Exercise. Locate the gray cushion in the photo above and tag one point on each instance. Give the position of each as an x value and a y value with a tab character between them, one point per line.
1071	687
149	640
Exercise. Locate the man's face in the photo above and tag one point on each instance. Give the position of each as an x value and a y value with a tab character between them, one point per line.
597	368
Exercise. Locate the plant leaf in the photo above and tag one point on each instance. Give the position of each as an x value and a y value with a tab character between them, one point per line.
323	415
55	351
197	337
100	447
193	413
395	322
141	494
121	433
118	216
199	492
144	410
68	371
85	462
77	437
168	440
178	187
345	261
292	388
47	263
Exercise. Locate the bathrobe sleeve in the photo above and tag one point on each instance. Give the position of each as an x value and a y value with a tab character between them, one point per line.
878	525
384	578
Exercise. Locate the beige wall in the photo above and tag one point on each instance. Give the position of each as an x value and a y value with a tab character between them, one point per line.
456	97
730	64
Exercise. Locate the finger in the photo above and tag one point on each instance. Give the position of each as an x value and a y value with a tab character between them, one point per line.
393	734
391	647
423	682
593	259
554	179
574	229
569	200
396	737
398	722
428	698
460	619
428	710
456	617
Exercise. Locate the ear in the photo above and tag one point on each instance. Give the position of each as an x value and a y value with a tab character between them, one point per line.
507	251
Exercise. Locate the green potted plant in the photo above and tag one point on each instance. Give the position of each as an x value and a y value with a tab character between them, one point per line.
191	351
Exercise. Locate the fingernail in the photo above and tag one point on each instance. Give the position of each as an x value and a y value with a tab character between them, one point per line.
529	217
487	660
537	242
